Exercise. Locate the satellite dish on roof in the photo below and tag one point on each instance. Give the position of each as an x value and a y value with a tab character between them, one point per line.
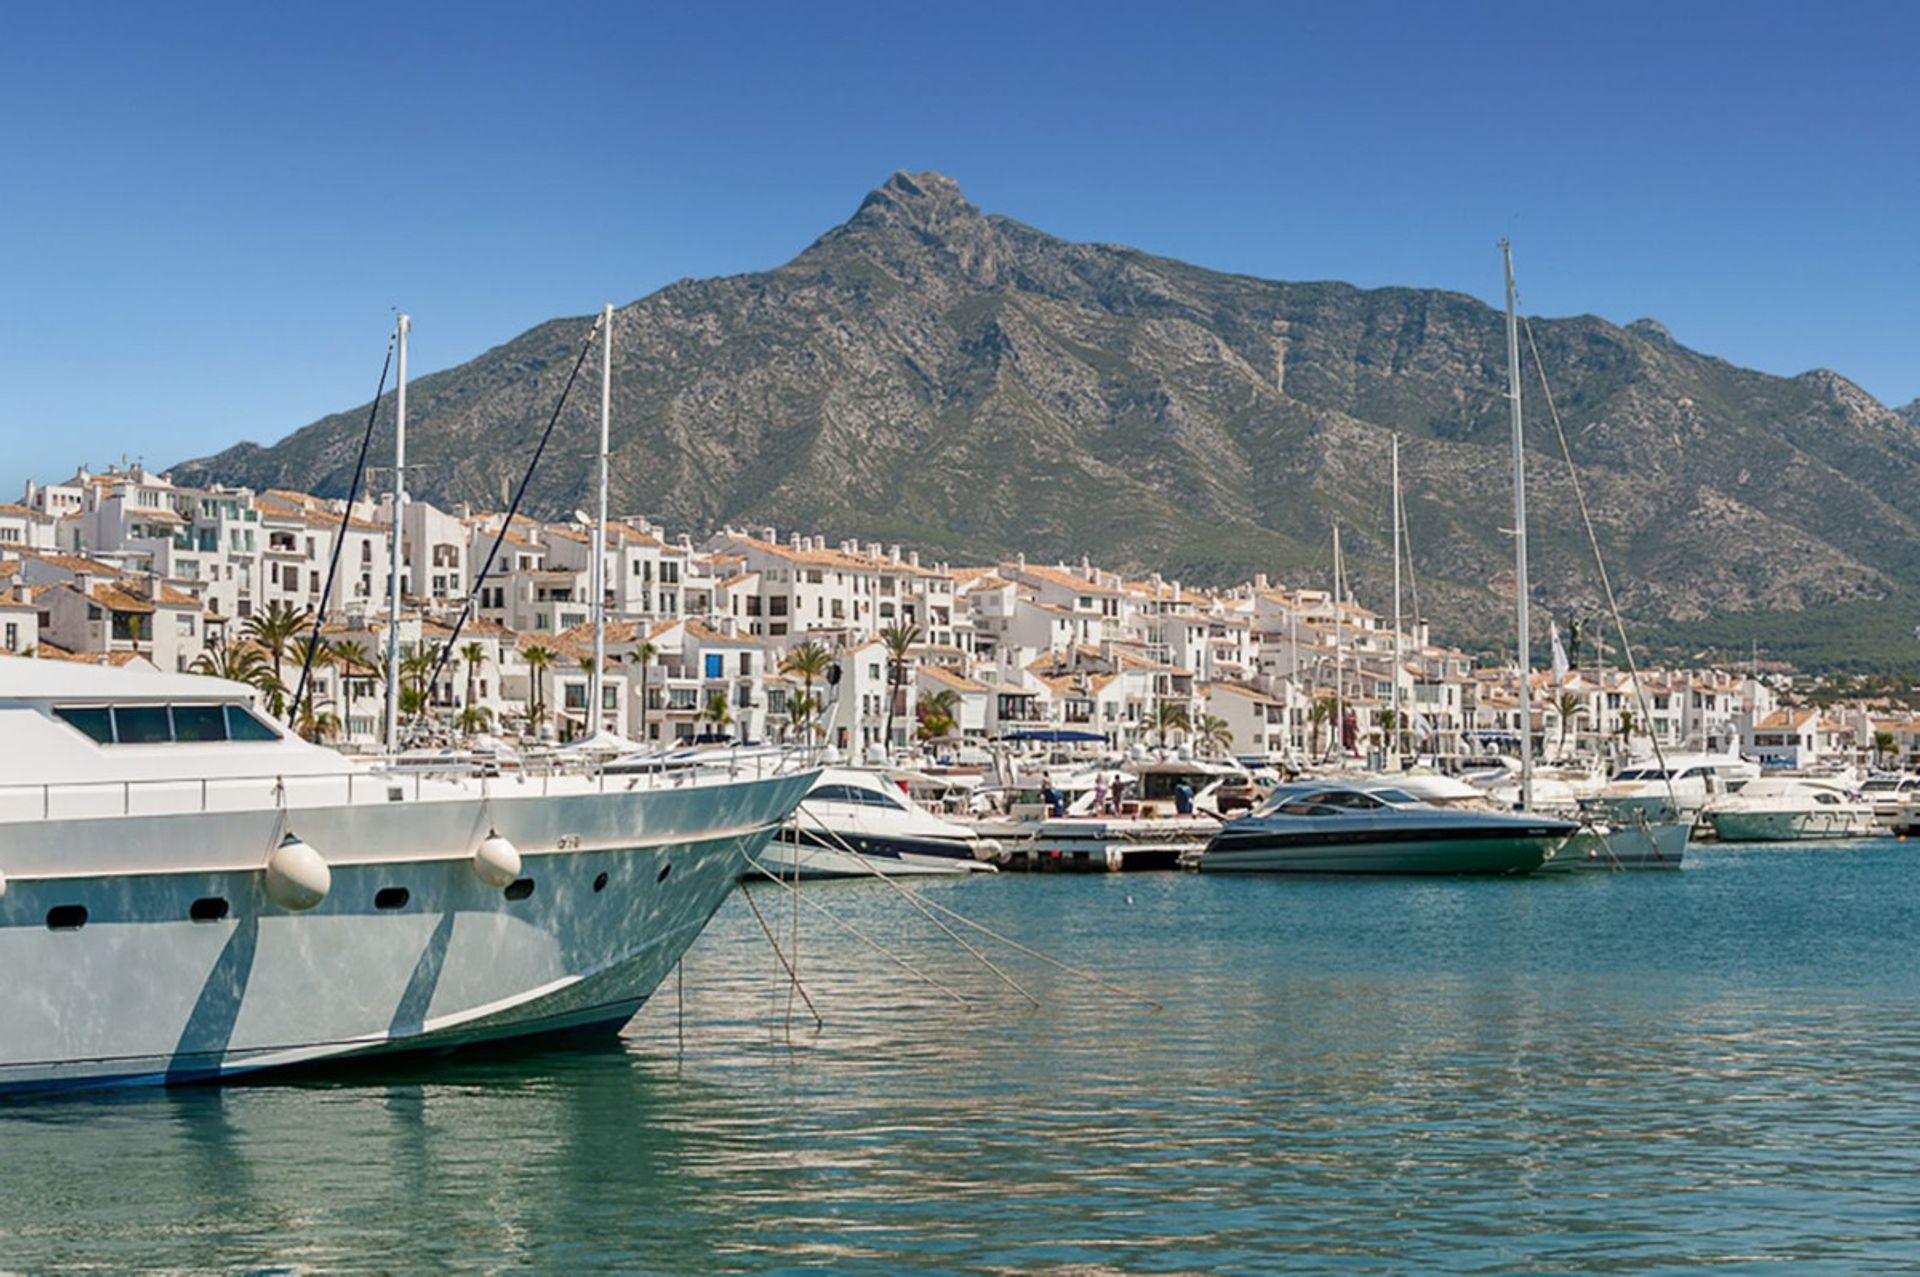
580	517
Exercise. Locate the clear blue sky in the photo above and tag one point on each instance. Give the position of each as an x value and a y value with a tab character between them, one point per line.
208	211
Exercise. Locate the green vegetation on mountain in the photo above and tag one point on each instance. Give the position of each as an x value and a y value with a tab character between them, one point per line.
967	385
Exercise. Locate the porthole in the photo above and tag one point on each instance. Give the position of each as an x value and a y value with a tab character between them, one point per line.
208	909
664	871
391	898
600	881
519	889
66	917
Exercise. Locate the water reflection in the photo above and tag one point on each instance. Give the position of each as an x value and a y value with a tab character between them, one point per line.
1583	1075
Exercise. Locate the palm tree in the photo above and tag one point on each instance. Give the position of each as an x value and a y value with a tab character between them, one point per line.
1883	744
273	630
800	711
475	719
1569	706
474	654
809	661
717	711
1212	734
936	712
135	622
898	639
1389	724
349	656
1170	717
317	722
315	654
1319	714
416	667
229	661
643	654
539	660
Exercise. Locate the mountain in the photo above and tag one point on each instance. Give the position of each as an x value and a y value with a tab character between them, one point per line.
960	382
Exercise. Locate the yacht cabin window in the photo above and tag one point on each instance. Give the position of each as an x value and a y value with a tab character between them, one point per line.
165	724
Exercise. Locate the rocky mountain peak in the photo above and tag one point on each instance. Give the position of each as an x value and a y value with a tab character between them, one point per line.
927	201
920	228
1652	329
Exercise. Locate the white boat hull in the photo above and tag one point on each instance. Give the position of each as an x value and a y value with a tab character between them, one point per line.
622	883
1790	826
1655	845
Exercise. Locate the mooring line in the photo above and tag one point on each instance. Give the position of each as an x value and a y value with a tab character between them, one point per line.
914	900
864	938
768	932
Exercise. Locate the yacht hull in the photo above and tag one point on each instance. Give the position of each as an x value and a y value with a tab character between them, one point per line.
409	949
1654	845
1494	852
1789	826
854	855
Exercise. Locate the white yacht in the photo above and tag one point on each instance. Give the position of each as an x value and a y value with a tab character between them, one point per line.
187	892
856	823
1678	790
1889	792
1790	809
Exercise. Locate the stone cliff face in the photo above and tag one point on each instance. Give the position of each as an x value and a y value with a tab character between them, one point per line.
929	374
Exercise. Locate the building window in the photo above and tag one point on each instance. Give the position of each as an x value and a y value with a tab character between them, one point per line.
713	665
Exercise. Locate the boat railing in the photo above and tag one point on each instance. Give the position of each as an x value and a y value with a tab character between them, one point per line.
177	795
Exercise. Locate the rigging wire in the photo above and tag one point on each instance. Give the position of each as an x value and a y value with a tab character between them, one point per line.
1606	583
513	509
340	536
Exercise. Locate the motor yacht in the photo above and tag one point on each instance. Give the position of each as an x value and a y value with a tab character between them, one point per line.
188	892
1790	809
1679	789
1333	828
1888	793
855	823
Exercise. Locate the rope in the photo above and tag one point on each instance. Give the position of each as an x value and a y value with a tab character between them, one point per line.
913	899
340	537
767	931
793	924
860	935
1053	962
493	551
1606	583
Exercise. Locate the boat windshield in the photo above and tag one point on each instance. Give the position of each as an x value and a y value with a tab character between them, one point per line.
1320	802
856	794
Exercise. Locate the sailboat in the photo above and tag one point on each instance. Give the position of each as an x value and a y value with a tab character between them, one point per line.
1635	843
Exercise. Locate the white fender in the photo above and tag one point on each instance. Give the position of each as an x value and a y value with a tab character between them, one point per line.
297	876
496	860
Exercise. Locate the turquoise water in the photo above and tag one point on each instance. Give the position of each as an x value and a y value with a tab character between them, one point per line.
1592	1074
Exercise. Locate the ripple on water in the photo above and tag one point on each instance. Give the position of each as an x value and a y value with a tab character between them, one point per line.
1720	1066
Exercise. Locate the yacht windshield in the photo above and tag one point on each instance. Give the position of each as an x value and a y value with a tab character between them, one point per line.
165	724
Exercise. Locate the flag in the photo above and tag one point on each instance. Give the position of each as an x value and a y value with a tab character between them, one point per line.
1421	729
1559	654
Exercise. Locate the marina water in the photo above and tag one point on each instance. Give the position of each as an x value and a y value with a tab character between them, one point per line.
1594	1073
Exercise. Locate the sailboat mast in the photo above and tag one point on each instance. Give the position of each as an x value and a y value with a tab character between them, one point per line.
1520	588
1399	656
1339	649
398	561
595	696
